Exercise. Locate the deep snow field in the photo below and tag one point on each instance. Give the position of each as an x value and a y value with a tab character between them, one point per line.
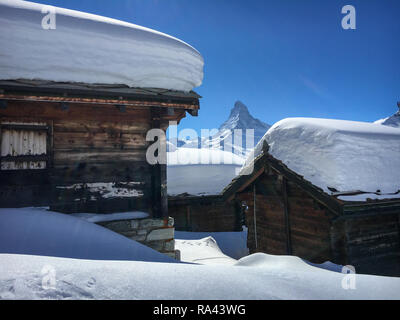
48	255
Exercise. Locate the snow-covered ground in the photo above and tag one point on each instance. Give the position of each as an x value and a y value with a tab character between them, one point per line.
202	251
338	155
82	47
114	267
258	276
37	231
231	244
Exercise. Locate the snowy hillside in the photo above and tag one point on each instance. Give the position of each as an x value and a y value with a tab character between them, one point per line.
88	48
339	156
392	121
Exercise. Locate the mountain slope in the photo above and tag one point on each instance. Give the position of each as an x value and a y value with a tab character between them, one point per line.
239	119
225	139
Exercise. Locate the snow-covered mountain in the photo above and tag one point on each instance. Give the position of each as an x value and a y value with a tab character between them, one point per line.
239	119
392	121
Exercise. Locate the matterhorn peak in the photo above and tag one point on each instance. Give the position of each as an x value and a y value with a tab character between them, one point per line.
240	106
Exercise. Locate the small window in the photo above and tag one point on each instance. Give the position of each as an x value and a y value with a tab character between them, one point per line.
24	146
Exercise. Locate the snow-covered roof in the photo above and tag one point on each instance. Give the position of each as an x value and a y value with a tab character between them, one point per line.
200	172
91	49
338	155
202	156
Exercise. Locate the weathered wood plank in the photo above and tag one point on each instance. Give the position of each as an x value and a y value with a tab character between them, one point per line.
101	126
104	172
53	111
71	156
121	141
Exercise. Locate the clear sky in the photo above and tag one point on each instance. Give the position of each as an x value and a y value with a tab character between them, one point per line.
282	58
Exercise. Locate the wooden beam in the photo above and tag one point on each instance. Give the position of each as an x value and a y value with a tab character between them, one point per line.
27	127
97	101
255	215
24	158
193	112
242	182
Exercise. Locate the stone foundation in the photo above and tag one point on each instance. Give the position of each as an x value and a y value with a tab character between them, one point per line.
157	234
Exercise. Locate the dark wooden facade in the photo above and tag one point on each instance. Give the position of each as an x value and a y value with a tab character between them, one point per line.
287	215
95	152
205	214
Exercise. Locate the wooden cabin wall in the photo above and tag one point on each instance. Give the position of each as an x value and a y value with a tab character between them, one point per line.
306	232
112	153
373	243
205	215
89	144
310	226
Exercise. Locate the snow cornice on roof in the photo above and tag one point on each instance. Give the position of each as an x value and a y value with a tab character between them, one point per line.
81	47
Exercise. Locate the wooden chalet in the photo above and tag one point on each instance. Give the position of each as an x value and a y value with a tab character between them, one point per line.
287	215
82	148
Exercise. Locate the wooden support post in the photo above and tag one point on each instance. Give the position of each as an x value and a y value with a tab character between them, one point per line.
287	220
159	197
255	215
188	220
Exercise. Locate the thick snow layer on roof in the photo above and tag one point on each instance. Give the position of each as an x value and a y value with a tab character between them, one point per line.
201	171
202	156
92	49
344	155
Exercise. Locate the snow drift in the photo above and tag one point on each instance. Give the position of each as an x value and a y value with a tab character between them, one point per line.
27	235
92	49
35	231
202	251
256	277
337	154
232	244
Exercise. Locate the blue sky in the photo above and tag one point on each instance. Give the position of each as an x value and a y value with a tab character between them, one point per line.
282	58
